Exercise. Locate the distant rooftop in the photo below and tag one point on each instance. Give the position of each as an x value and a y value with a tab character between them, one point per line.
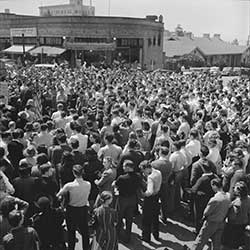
175	45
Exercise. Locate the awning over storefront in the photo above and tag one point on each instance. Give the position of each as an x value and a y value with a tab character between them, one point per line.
18	49
49	51
91	46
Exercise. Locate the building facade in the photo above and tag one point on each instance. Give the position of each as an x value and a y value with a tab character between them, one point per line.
213	49
130	39
74	8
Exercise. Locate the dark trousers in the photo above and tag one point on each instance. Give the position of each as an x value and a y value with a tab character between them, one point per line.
77	218
163	194
200	203
127	206
150	217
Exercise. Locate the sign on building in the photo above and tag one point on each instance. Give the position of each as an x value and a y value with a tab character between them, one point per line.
27	32
4	93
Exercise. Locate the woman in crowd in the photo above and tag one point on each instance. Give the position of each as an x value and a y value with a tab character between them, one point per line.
104	183
106	220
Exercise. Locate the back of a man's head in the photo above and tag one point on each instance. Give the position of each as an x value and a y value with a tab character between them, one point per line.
74	143
109	138
204	151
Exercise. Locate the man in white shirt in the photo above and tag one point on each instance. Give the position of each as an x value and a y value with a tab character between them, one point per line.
77	193
137	120
83	139
57	114
194	146
184	128
44	137
151	207
110	149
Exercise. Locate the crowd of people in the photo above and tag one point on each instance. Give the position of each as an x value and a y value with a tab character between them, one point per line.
90	149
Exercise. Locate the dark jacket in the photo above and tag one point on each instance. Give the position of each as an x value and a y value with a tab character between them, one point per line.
197	170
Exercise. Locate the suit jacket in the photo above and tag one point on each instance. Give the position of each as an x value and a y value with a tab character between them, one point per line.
197	170
135	156
217	207
79	158
57	152
106	180
165	167
15	149
203	185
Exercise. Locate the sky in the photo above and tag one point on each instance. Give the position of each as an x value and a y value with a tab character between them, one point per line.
230	18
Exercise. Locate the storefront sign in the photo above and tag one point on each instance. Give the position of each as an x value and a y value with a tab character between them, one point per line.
91	46
27	32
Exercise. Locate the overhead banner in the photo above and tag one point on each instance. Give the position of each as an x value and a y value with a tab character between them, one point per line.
4	93
27	32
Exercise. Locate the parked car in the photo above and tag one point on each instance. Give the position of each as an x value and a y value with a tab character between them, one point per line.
227	71
236	71
214	70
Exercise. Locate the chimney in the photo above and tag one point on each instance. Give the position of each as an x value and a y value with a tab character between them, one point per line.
7	11
189	35
217	36
206	35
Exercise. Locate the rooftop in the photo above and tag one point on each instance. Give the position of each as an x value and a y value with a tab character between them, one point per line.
181	45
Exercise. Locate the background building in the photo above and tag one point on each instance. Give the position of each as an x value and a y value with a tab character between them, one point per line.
212	50
74	8
89	38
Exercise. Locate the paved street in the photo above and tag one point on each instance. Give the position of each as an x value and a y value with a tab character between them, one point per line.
174	236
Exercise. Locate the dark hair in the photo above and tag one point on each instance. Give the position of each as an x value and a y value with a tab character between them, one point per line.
144	165
109	138
194	133
104	196
67	159
216	182
50	125
77	127
45	167
96	137
178	145
44	127
16	134
74	143
129	164
42	149
164	128
204	150
41	159
62	138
